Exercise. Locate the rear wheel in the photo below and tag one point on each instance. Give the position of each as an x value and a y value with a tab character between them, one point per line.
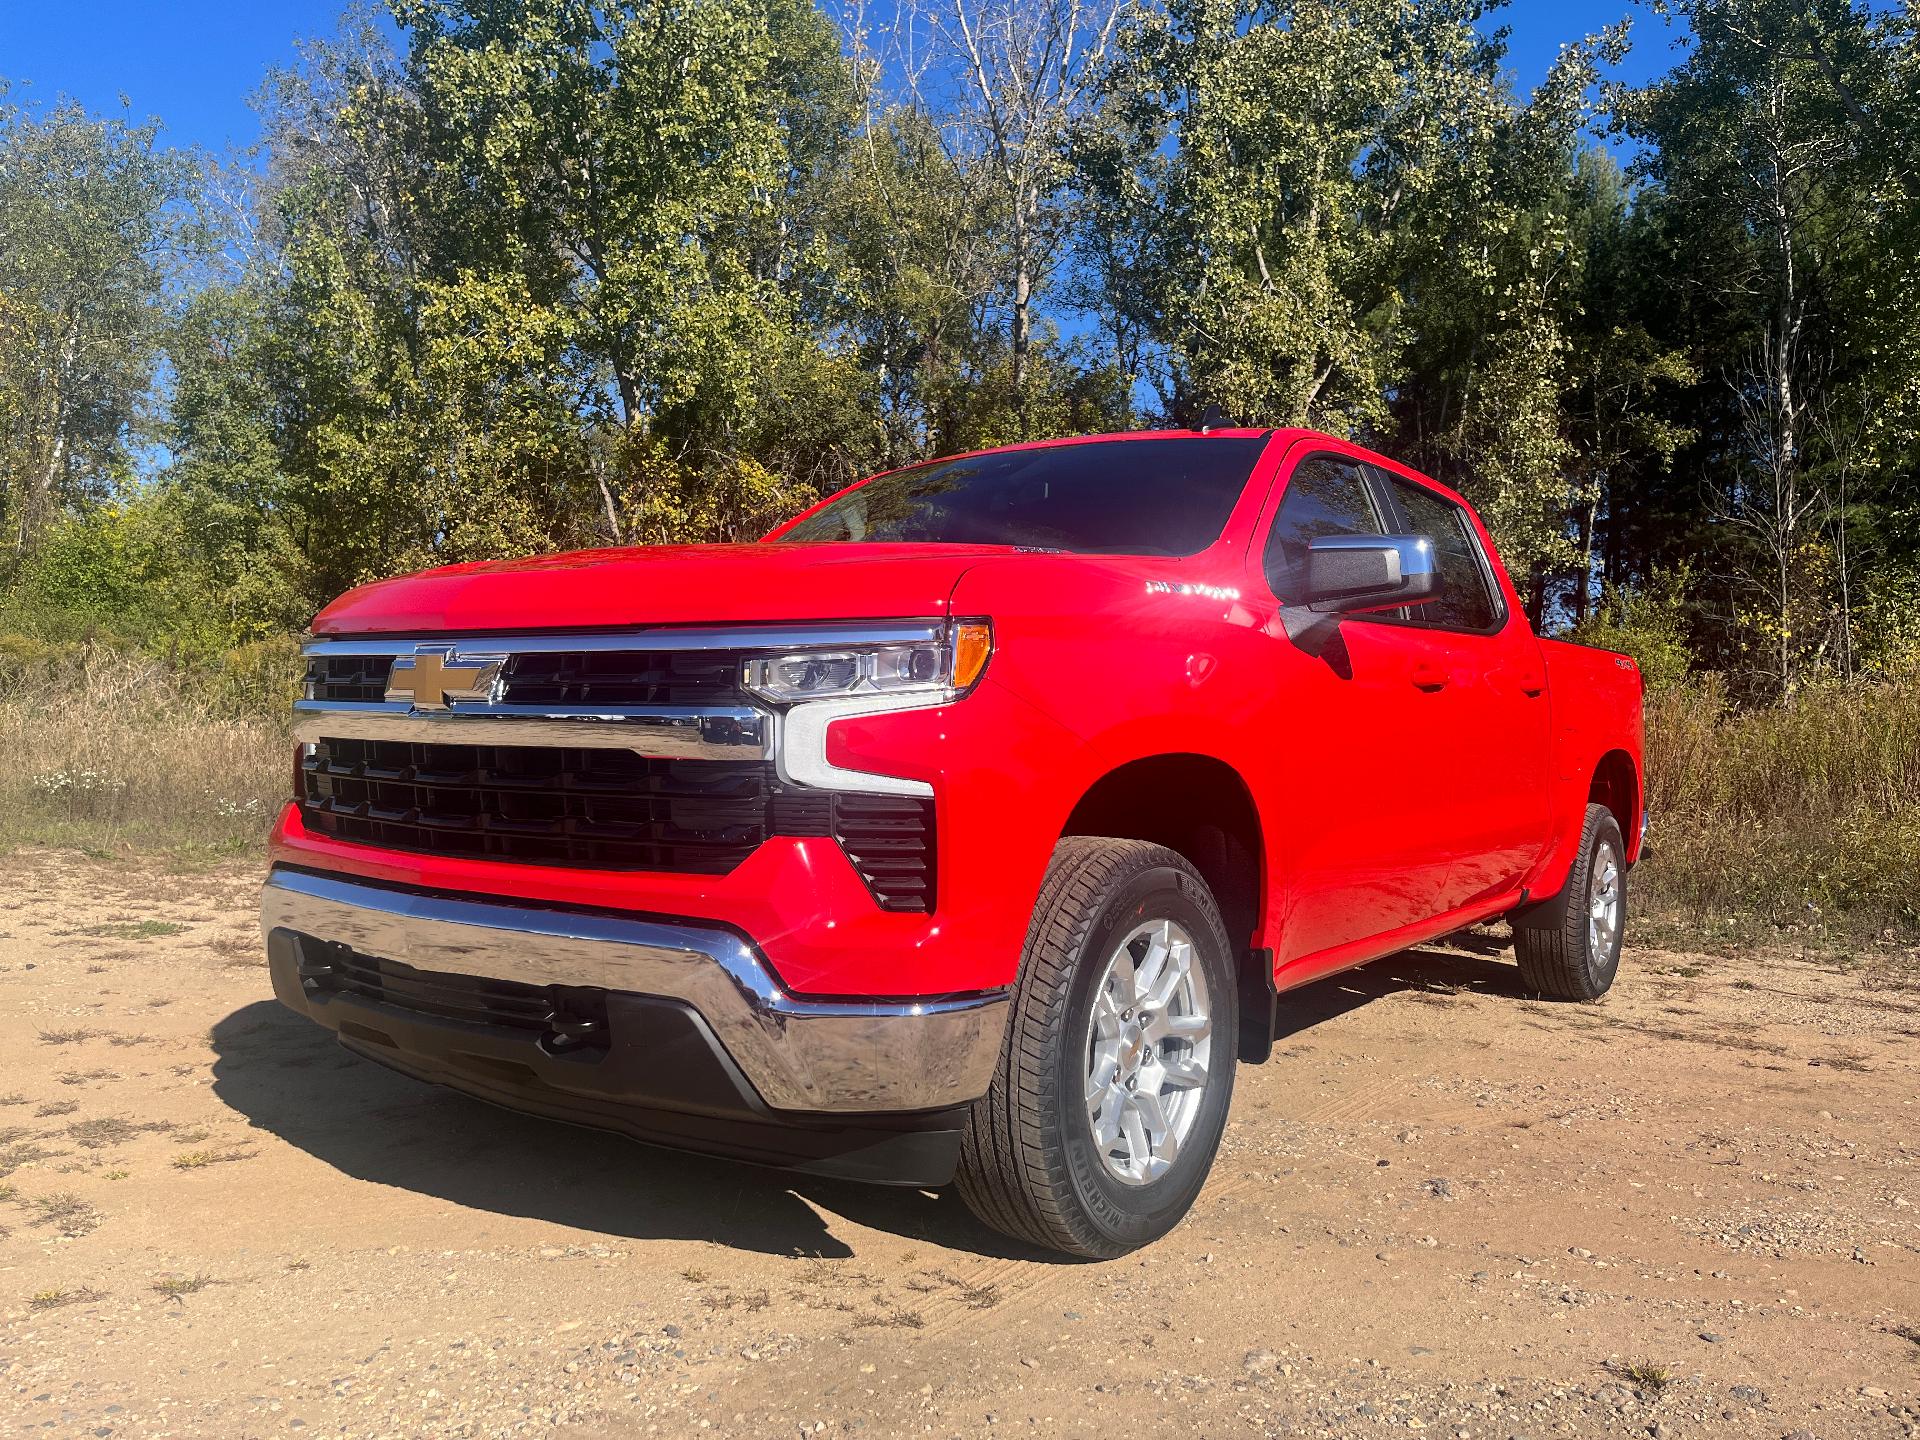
1577	958
1117	1068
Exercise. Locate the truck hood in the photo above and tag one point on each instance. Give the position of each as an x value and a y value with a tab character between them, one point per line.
661	585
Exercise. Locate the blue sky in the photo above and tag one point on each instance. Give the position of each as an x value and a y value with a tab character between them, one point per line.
193	63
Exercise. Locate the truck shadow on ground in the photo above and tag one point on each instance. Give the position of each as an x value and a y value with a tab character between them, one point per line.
291	1079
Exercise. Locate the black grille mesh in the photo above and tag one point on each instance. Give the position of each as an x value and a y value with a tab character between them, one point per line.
603	810
890	841
596	809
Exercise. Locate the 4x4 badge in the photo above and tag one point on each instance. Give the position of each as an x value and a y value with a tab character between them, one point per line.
436	674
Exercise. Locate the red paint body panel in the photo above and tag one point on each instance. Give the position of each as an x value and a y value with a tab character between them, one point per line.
1390	812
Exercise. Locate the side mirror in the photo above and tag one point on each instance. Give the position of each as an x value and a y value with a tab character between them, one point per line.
1352	574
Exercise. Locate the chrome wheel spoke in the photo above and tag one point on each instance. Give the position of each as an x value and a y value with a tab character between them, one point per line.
1146	978
1603	903
1173	974
1106	1122
1133	1131
1190	1028
1149	1048
1185	1073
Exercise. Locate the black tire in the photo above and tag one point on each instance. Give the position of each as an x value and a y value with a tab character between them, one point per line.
1029	1163
1561	958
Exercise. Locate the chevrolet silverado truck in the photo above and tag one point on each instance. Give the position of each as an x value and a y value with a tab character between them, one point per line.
970	827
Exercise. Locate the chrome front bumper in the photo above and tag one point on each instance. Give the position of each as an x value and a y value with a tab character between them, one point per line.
808	1056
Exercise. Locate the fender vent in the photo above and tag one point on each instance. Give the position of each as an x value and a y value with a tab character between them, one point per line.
889	839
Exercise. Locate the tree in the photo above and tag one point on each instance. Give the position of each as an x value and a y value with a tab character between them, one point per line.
1773	149
94	226
1011	78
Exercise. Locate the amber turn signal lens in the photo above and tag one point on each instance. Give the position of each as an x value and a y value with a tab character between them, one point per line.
972	644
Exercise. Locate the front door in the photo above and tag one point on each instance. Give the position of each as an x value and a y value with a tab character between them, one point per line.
1358	821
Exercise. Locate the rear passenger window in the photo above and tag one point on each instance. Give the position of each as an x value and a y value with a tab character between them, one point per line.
1326	496
1466	598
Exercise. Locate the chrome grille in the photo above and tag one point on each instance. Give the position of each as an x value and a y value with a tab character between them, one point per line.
561	679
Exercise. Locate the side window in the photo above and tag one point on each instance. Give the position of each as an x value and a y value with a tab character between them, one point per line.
1326	496
1466	599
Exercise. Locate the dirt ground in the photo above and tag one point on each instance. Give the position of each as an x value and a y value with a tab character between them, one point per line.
1691	1210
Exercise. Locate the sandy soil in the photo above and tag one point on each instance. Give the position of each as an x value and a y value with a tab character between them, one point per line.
1691	1210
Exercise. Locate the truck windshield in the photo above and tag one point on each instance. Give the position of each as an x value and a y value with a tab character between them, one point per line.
1155	496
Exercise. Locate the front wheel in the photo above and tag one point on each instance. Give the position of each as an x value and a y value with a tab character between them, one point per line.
1117	1069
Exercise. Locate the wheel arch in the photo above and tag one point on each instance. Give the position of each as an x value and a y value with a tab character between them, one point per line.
1200	807
1616	784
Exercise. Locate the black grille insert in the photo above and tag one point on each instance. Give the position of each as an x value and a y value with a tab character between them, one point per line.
889	838
596	809
603	810
348	677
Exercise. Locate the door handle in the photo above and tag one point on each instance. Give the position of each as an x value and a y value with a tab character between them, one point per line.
1429	676
1532	682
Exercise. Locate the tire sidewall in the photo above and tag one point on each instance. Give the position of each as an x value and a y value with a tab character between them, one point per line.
1129	1215
1601	969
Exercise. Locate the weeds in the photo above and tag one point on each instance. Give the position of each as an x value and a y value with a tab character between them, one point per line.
85	1077
12	1157
57	1107
54	1299
135	930
200	1159
895	1319
147	755
67	1037
108	1130
1650	1377
66	1212
175	1286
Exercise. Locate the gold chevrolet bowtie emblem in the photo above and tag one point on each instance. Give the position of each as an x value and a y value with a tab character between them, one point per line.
432	676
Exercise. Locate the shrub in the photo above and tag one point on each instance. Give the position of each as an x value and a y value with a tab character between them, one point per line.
1803	813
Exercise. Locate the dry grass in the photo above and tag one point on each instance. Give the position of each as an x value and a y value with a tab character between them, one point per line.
1803	815
65	1212
108	1130
174	1286
141	757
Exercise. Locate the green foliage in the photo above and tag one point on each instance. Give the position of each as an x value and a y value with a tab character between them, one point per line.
1650	625
524	277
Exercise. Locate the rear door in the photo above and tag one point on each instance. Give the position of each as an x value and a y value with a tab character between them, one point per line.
1479	739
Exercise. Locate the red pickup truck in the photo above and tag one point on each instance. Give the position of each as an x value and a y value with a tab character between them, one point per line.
969	827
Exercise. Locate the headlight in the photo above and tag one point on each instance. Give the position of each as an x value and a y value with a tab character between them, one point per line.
938	668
